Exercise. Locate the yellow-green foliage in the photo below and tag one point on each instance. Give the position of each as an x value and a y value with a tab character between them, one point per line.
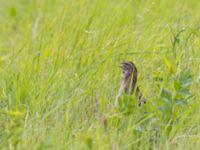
60	75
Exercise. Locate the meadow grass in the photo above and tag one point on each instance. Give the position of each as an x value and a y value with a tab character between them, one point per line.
60	75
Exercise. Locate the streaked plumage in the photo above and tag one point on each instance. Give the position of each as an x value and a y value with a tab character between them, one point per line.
129	80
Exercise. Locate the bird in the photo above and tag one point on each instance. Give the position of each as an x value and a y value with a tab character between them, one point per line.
128	83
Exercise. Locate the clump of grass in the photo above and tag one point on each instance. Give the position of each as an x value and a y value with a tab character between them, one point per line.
59	74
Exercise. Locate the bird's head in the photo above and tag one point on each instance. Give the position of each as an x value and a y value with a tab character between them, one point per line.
127	69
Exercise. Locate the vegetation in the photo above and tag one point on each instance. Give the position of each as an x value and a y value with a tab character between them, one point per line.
60	75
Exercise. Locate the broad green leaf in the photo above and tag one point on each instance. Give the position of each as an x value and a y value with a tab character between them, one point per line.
166	95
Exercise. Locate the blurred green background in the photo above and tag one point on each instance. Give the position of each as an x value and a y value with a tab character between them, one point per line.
60	75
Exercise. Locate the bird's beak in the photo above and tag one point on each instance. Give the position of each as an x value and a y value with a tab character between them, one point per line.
122	64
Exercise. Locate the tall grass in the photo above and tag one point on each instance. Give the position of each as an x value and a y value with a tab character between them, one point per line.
59	74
